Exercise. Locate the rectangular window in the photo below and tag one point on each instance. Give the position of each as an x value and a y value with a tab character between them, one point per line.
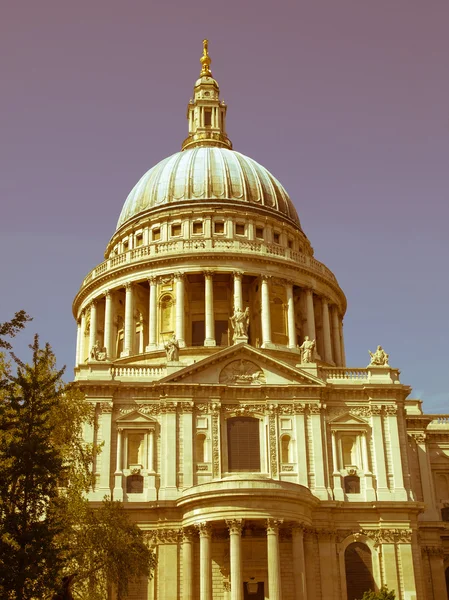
197	227
198	333
259	233
125	246
207	117
276	238
290	244
156	234
176	229
240	229
219	227
243	444
139	240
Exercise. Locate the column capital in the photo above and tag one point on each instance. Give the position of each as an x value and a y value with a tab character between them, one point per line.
179	276
237	274
152	280
298	528
128	285
309	290
94	302
204	529
273	525
325	300
266	278
208	274
188	534
234	525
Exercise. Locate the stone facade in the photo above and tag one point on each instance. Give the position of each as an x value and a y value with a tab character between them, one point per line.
258	464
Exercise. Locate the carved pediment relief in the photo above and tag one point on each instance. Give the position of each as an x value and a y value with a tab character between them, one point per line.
242	372
136	418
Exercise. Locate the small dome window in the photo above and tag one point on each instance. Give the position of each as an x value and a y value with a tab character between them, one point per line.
176	229
219	227
259	233
156	234
240	228
197	228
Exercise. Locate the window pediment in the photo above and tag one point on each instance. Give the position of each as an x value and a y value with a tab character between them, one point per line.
136	419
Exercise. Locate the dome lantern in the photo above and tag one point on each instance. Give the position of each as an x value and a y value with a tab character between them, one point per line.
206	114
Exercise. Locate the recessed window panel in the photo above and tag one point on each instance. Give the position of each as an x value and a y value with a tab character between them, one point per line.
243	444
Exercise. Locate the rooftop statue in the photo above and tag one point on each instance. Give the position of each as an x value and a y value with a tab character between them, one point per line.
172	349
307	350
379	358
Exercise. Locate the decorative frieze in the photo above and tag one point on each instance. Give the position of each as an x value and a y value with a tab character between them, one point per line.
164	536
273	448
215	444
437	551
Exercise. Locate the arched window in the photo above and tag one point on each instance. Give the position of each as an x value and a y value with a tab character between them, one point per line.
166	314
286	444
359	570
200	448
243	444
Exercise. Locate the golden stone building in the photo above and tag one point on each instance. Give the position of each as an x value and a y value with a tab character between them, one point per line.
210	341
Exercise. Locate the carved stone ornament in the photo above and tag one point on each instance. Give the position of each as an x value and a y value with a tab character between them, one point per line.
437	551
106	408
291	409
273	449
242	372
389	536
244	409
240	323
235	526
379	358
273	525
204	529
215	445
164	536
307	349
98	352
420	438
391	410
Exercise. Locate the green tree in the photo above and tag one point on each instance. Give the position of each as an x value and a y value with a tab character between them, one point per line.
11	328
382	594
48	529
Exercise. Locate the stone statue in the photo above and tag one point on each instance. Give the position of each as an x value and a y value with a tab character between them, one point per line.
172	349
240	322
98	352
379	358
307	350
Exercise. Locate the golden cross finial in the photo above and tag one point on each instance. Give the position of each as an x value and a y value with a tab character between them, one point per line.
205	61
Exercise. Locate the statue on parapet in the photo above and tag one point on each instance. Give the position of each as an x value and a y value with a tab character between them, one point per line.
307	349
379	358
240	323
98	352
172	349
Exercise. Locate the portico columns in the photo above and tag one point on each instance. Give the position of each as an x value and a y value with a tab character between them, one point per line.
82	338
299	565
273	559
78	342
336	336
326	331
266	316
238	298
107	342
187	564
129	321
290	316
205	532
209	309
235	549
310	315
152	314
179	317
93	325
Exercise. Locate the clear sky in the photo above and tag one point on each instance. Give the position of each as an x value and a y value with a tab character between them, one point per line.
344	101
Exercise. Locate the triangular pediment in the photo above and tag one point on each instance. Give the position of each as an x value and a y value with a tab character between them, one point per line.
135	417
242	365
347	419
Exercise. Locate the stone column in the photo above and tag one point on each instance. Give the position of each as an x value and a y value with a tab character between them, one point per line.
93	326
342	345
180	310
118	475
336	475
82	345
383	493
187	564
152	314
151	468
108	324
238	295
209	317
290	316
299	564
369	489
129	321
266	316
205	532
326	331
396	459
78	342
336	336
425	470
235	550
310	322
273	559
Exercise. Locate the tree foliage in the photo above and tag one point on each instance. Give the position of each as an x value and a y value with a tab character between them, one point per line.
12	328
382	594
48	529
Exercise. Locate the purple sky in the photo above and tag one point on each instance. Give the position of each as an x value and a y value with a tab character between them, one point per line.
345	102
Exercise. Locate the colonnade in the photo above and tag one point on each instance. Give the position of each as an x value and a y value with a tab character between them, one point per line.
331	333
235	527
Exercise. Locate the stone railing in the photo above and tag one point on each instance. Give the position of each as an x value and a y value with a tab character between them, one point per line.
209	245
148	372
439	422
343	373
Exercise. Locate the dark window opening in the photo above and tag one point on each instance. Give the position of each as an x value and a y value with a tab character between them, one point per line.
243	444
221	333
445	514
156	234
359	570
134	484
352	484
240	229
219	227
198	333
207	117
259	233
176	229
197	227
276	238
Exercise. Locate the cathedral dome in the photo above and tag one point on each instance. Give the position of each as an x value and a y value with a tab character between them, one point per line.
208	173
